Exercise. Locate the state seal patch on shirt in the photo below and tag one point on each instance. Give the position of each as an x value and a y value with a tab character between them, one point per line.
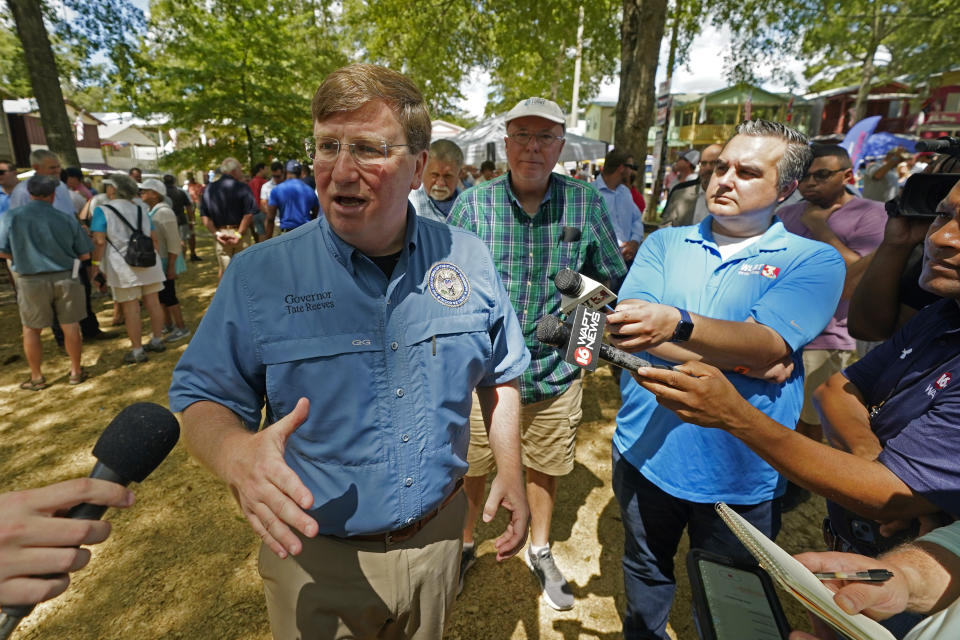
448	284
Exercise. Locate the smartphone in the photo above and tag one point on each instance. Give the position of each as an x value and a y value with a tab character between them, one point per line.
733	600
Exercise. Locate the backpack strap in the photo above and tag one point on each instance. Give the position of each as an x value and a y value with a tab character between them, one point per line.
122	219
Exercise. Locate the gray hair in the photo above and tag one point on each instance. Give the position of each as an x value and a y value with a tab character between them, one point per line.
127	188
797	156
229	165
446	151
42	186
37	156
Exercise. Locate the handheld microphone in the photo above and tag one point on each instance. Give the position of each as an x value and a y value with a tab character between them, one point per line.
128	450
552	331
576	288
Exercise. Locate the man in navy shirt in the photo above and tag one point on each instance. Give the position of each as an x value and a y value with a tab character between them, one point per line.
365	361
293	200
226	210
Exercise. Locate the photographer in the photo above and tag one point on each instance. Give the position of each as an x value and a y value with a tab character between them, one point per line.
888	295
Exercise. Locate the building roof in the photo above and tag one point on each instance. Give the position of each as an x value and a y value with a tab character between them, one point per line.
125	132
829	93
29	106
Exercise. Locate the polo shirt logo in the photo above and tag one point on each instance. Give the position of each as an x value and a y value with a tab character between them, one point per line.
766	270
448	284
939	384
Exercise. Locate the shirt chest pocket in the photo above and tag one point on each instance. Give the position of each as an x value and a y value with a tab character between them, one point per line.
567	255
335	373
449	354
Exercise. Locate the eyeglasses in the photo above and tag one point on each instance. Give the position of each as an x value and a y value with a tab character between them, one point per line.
364	152
821	176
631	166
544	140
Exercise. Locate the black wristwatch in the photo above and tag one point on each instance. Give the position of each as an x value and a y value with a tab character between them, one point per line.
684	327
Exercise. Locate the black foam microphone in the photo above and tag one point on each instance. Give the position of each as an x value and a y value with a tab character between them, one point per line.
576	288
129	449
551	330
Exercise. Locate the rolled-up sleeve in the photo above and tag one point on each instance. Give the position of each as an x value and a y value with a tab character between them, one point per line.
223	362
509	357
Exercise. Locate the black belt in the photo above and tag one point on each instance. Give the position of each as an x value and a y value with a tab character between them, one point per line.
410	530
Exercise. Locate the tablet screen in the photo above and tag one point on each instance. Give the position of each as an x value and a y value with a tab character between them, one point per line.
738	603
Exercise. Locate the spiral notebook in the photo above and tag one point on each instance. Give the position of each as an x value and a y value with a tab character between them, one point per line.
799	582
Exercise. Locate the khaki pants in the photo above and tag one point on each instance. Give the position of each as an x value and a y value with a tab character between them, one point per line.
338	588
818	366
225	252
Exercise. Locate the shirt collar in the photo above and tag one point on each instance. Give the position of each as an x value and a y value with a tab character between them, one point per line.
773	239
601	184
551	183
343	251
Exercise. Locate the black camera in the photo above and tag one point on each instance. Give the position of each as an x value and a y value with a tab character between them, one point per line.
921	195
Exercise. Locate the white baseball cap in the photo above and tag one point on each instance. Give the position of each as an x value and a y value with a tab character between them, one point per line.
539	107
154	185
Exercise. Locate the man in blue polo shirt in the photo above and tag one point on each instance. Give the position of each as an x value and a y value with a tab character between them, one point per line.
881	413
737	291
293	200
365	362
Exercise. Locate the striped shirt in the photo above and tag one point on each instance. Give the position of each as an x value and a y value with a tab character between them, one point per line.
530	250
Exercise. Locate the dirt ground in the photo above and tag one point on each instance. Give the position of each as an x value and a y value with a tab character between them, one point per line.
181	563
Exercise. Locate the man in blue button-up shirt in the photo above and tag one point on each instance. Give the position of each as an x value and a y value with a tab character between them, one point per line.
625	215
364	333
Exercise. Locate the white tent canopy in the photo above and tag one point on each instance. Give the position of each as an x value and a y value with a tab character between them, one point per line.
474	143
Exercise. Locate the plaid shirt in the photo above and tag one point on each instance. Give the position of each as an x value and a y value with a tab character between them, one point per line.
529	251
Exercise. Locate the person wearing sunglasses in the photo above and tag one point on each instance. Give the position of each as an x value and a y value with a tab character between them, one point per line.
854	227
618	168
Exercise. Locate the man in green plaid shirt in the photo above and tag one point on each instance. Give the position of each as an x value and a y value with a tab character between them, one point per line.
537	222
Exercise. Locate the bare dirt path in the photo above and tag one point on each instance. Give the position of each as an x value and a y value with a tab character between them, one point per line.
181	563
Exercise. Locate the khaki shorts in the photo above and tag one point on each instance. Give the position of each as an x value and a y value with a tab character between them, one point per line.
226	252
818	366
339	588
548	433
38	295
126	294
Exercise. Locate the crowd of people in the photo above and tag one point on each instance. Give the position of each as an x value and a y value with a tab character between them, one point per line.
781	305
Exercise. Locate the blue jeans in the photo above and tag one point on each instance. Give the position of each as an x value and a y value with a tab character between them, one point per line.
653	523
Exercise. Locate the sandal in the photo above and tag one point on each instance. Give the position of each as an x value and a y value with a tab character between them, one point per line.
77	379
34	385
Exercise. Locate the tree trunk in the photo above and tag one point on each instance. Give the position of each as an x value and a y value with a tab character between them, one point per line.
661	162
45	80
866	74
640	35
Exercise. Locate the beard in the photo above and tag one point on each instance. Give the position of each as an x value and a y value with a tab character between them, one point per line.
441	193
